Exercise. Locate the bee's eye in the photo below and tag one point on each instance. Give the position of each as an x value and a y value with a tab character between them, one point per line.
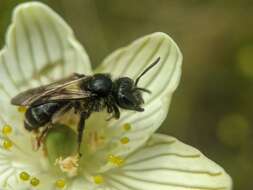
126	101
125	96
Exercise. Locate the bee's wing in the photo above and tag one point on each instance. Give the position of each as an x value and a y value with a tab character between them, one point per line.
64	89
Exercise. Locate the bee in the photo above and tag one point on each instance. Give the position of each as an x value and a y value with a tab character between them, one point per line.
85	95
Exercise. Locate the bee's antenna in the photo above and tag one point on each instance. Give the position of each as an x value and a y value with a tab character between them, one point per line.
146	70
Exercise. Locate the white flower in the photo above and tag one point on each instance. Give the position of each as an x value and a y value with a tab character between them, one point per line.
122	154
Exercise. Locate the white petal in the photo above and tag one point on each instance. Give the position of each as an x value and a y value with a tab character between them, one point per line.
165	163
162	80
19	158
41	46
81	183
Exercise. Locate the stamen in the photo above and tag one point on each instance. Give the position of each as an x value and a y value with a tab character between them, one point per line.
7	129
7	144
35	181
60	183
124	140
116	160
24	176
22	109
69	164
98	179
95	140
127	126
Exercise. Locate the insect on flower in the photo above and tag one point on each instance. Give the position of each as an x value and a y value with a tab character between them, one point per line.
42	51
85	94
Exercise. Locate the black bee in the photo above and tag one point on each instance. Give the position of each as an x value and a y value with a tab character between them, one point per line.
84	94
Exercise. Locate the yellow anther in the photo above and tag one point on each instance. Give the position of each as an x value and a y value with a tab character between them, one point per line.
22	109
98	179
116	160
7	144
7	129
24	176
35	181
60	183
124	140
127	127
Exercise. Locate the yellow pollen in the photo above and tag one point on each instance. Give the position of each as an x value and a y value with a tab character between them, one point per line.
127	127
22	109
7	129
69	164
24	176
124	140
60	183
116	160
35	181
98	179
7	144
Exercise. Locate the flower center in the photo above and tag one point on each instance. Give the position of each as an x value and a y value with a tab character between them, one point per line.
60	148
69	164
60	156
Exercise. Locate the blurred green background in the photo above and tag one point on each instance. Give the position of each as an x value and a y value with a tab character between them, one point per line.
212	109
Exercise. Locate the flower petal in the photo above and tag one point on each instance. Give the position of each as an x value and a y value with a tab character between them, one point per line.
16	158
165	163
40	47
162	81
81	183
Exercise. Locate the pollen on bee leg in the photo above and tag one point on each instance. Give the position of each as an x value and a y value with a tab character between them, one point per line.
22	109
98	179
7	129
68	165
7	144
116	160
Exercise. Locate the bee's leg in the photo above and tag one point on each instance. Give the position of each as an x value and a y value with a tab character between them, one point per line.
81	126
116	112
41	136
112	108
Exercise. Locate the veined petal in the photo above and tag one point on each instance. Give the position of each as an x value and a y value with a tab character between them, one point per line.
161	80
165	163
16	156
40	47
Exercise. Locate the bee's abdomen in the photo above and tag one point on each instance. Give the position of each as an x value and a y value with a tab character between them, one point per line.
40	115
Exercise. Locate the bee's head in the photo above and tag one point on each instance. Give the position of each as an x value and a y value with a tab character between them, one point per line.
127	93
